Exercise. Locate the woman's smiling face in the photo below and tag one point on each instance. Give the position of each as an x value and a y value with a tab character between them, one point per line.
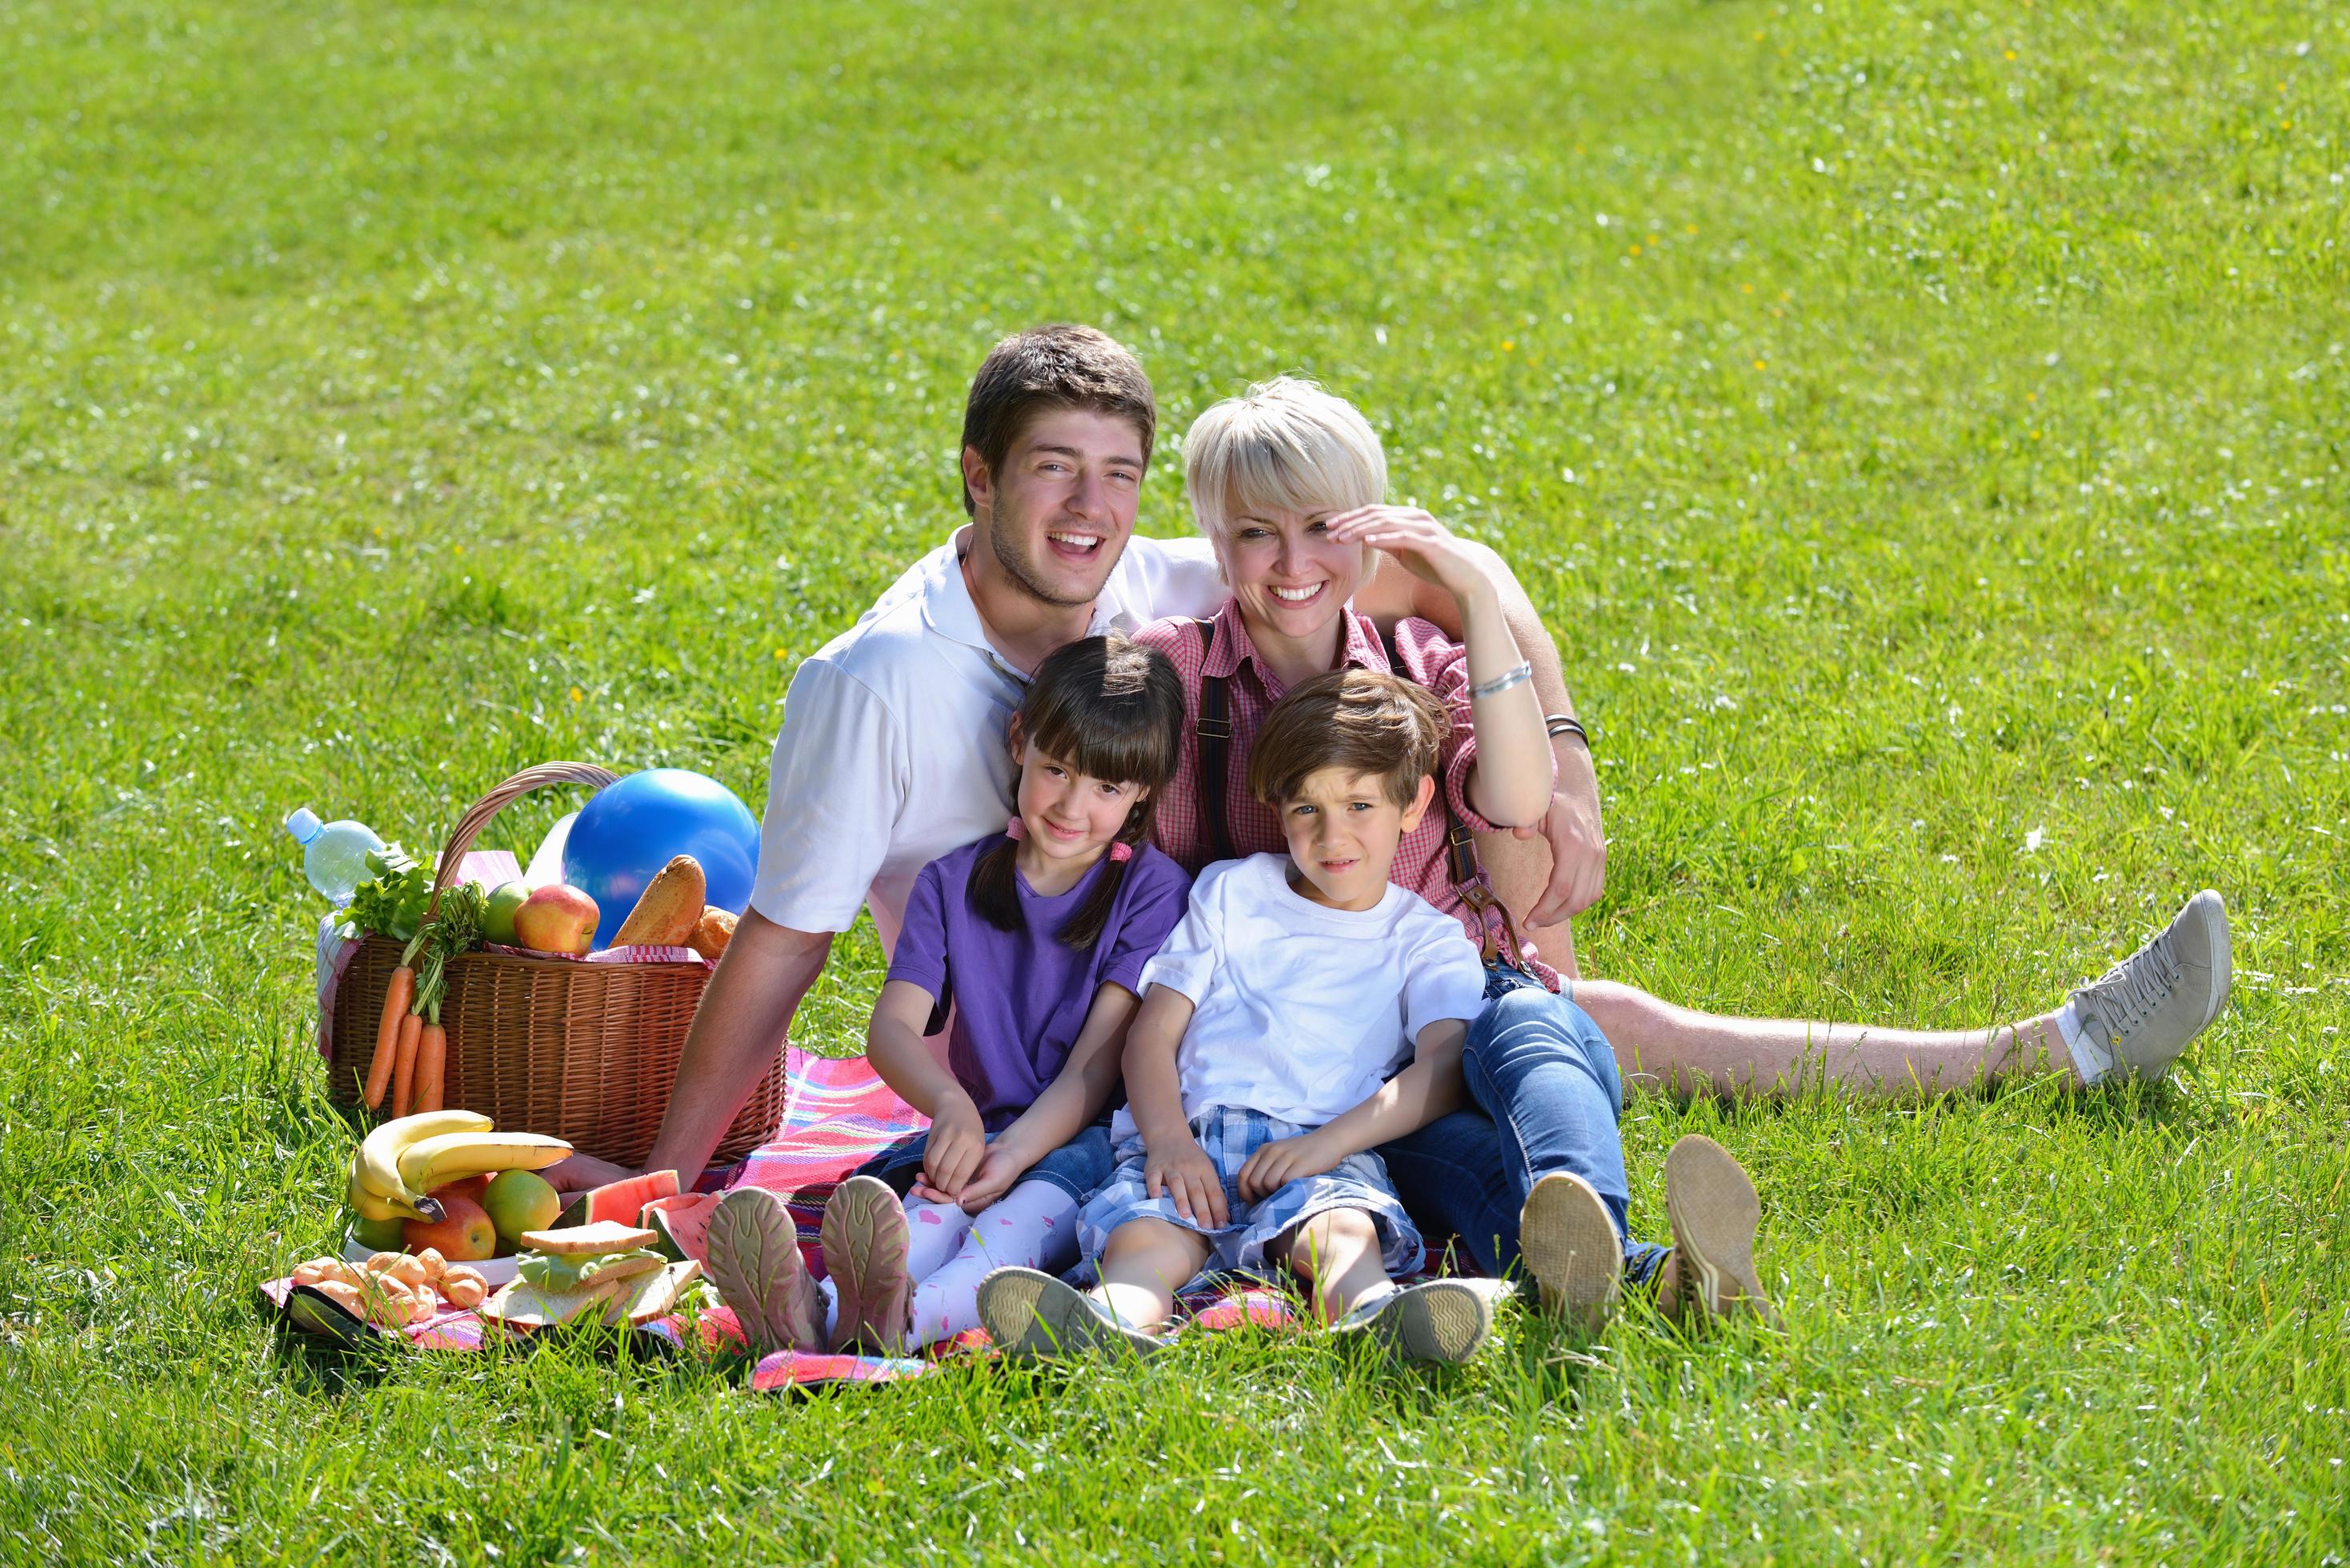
1289	575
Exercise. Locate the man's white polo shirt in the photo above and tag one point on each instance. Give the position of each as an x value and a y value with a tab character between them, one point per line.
892	750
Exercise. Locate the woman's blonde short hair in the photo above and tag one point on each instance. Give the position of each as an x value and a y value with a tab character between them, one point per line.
1285	445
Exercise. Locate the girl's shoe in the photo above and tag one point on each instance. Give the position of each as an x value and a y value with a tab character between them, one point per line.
754	1261
1570	1247
1032	1316
1436	1320
1714	1215
865	1258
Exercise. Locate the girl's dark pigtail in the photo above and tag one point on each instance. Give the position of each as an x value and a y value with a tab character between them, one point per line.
994	887
1085	926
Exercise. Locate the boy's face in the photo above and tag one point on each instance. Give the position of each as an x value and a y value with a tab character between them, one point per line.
1343	829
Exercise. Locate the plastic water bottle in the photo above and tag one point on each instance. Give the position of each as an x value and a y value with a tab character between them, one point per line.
333	854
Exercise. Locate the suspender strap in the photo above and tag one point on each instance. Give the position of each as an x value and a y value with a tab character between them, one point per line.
1215	733
1497	933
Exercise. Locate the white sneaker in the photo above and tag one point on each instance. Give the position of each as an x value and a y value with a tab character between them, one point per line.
2135	1018
1033	1316
1435	1320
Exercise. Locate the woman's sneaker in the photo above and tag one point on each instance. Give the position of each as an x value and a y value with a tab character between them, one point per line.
754	1261
865	1258
2134	1020
1570	1248
1435	1320
1709	1272
1033	1316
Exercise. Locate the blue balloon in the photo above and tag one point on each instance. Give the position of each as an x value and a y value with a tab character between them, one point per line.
636	824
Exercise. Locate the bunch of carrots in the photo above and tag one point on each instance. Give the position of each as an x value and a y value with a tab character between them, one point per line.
412	1049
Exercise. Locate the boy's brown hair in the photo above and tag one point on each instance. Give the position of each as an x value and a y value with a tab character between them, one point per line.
1056	367
1369	724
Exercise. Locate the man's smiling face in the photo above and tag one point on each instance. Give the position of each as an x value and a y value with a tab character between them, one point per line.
1062	505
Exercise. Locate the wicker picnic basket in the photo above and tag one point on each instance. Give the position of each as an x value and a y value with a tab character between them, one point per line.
585	1051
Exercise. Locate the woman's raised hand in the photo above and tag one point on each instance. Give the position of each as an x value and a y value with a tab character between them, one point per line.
1425	547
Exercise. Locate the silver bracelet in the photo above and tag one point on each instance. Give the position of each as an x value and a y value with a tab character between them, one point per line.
1503	681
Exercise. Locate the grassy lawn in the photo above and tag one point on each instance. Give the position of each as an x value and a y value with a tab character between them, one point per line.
1925	428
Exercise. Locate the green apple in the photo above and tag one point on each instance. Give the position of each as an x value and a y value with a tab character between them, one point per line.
520	1201
498	917
377	1235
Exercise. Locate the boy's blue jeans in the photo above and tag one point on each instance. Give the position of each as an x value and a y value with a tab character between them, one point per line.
1543	1080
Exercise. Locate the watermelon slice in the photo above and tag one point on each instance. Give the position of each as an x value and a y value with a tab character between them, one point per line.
618	1201
682	1224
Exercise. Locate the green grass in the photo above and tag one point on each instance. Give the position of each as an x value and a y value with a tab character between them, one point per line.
1921	425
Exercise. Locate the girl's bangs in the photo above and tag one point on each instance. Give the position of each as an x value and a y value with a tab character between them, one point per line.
1119	741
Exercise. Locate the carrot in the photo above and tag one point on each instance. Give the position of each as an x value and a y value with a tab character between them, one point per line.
395	998
403	1071
431	1062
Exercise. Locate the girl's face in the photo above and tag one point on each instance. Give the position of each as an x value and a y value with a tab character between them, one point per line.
1069	816
1286	572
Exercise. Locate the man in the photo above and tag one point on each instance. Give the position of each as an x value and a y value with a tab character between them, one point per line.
892	749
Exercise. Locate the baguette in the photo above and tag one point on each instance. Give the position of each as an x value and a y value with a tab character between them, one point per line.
669	909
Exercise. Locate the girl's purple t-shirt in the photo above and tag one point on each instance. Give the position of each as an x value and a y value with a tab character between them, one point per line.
1020	997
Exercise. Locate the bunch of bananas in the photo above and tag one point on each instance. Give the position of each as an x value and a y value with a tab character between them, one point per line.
404	1159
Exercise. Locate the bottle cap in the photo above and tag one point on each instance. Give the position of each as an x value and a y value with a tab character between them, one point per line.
304	825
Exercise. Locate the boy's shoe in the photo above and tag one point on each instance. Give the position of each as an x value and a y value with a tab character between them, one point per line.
1570	1247
1436	1320
1033	1316
1714	1214
865	1257
754	1261
2137	1017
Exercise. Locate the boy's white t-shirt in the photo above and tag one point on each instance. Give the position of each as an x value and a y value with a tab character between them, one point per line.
1301	1011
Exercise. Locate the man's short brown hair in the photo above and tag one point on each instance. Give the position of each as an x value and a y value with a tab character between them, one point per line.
1056	367
1369	724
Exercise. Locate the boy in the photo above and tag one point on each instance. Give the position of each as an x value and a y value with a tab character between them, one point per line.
1263	1067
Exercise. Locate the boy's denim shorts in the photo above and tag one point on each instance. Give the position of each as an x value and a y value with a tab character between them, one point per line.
1229	1135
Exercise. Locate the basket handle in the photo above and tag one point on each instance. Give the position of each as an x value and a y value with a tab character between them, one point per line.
469	826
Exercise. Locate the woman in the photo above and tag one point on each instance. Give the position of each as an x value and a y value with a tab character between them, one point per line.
1286	483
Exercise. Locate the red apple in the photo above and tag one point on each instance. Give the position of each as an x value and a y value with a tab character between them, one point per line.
557	920
476	1187
464	1234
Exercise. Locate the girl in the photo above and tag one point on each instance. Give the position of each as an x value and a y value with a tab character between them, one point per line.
1027	948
